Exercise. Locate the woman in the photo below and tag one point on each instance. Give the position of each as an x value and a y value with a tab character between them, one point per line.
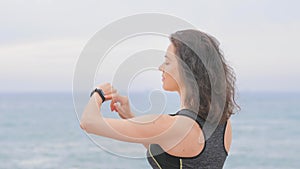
199	134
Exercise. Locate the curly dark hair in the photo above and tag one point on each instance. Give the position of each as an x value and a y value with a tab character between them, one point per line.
199	53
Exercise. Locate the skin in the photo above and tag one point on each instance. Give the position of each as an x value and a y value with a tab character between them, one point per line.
177	135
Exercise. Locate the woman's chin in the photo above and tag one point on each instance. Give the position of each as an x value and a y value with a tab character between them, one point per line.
166	88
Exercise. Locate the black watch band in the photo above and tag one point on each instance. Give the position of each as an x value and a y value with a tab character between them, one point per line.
100	92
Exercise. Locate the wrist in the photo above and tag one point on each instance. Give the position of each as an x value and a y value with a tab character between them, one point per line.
100	94
97	98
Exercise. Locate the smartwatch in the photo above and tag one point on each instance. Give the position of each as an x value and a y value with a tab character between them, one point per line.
100	92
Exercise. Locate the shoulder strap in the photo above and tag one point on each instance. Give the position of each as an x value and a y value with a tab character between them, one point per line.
192	115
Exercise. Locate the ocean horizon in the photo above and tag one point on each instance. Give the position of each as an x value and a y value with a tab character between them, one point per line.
41	130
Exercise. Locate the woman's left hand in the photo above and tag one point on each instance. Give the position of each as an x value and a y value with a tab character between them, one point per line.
92	110
108	90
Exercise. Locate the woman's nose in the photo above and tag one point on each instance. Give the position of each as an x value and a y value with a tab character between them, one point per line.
160	67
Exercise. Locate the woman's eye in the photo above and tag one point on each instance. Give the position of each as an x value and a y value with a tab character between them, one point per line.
167	63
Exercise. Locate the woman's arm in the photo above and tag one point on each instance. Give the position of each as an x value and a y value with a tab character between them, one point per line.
143	129
146	129
121	105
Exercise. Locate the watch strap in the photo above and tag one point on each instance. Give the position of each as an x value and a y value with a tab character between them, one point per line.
100	92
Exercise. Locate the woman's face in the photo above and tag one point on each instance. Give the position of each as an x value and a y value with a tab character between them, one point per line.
170	73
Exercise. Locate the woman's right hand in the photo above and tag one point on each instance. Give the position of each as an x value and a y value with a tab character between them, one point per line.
121	105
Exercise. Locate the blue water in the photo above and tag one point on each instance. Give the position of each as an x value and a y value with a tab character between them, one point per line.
41	130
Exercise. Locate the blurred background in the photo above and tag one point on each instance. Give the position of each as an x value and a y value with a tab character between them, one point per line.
41	41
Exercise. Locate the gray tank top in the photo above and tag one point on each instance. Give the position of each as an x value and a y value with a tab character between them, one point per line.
212	156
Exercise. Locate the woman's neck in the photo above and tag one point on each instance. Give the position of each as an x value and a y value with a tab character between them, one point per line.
182	98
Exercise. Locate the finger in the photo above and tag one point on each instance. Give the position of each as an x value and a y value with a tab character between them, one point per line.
120	110
116	108
108	97
112	107
115	97
113	91
110	91
106	87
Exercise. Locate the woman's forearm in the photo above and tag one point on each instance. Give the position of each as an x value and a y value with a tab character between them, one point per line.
146	145
93	122
91	112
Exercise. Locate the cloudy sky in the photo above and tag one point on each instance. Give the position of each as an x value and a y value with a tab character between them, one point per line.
40	40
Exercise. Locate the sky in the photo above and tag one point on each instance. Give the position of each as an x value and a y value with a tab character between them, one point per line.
41	40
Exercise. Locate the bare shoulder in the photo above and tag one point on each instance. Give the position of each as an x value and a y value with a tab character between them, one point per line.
188	138
228	136
164	128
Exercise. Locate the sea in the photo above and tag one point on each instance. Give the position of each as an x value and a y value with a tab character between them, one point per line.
41	131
